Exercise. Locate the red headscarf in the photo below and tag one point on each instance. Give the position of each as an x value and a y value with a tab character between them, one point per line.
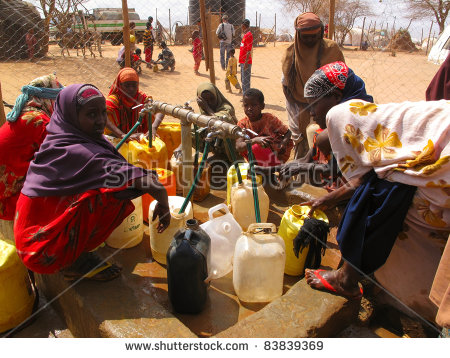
119	105
126	74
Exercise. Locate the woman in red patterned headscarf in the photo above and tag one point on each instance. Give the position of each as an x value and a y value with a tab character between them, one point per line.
123	96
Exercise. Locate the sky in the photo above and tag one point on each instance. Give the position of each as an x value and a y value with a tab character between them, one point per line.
387	11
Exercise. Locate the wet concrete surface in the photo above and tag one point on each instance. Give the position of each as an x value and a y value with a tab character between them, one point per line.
137	304
223	308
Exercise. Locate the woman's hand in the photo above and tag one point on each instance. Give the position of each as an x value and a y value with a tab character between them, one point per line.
134	136
325	202
163	213
293	168
154	133
263	141
202	104
283	145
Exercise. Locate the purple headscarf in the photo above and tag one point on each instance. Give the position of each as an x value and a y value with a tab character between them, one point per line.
71	162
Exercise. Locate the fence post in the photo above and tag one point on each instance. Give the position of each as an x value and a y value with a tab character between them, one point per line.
205	32
428	41
170	29
362	33
2	108
126	33
212	74
331	20
275	32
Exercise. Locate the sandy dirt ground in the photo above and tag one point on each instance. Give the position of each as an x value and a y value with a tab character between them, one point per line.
388	78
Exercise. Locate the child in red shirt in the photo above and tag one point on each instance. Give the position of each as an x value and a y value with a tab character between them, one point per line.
196	51
272	145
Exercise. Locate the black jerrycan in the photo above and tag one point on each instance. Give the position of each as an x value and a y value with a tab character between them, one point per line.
188	258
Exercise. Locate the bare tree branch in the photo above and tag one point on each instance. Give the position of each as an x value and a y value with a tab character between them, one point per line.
439	9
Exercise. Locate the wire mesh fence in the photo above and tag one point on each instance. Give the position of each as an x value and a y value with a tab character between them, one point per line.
80	41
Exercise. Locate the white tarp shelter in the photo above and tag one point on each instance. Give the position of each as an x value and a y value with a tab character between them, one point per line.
353	38
441	48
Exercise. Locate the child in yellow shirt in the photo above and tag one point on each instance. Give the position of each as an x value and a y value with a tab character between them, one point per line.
230	76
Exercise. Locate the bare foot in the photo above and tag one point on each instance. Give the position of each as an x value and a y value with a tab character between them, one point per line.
334	281
197	73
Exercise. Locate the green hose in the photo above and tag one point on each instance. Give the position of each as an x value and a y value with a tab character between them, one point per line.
150	134
197	178
124	139
234	159
251	160
197	145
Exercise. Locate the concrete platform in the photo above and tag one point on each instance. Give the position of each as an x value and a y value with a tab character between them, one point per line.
137	304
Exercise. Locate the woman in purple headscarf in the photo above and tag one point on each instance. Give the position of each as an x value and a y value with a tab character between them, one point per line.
78	190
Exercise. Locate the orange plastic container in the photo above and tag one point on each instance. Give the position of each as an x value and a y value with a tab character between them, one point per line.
167	178
202	189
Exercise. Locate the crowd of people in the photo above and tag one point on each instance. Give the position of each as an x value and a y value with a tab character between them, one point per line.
68	188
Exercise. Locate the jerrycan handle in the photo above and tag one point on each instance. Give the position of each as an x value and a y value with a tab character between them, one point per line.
254	227
217	208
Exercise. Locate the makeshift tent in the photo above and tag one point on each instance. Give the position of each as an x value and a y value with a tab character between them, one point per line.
441	48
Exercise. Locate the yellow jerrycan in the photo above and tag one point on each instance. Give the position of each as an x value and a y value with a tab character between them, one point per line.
242	204
16	294
131	231
170	134
138	153
232	178
290	225
160	242
258	264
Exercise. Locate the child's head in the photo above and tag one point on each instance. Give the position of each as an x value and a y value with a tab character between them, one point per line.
323	142
138	51
195	34
231	52
132	25
253	103
163	44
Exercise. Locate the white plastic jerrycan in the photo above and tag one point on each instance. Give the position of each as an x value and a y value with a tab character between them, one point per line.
224	231
258	265
242	204
160	242
131	231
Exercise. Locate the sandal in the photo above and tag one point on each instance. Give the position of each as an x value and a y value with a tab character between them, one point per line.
89	266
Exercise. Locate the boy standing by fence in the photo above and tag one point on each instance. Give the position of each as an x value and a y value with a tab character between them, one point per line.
196	50
230	76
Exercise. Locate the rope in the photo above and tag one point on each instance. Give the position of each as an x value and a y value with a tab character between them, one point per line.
234	159
251	159
197	178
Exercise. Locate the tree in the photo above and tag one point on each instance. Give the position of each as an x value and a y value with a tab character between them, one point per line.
315	6
346	13
58	12
437	8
